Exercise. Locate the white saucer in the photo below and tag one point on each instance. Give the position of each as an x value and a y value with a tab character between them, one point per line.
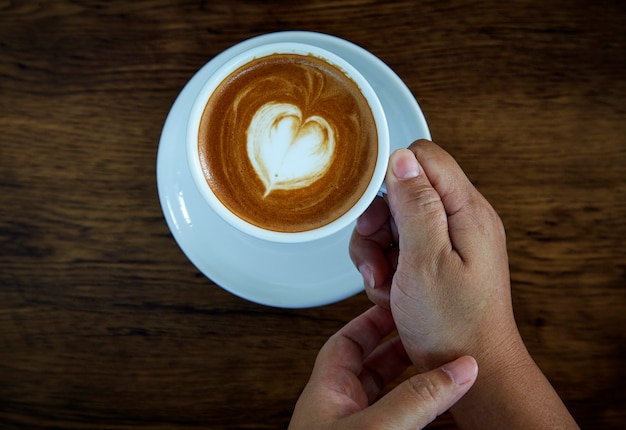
281	275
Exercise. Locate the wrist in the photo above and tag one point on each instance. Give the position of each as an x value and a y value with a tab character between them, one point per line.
495	346
511	392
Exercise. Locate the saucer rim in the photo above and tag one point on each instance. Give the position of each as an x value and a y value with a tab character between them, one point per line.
351	282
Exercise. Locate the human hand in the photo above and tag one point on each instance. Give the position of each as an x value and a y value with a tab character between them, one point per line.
435	254
354	366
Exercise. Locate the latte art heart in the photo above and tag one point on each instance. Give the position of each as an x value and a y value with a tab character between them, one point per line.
286	150
288	142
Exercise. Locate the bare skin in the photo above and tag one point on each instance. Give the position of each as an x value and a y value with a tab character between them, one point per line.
355	365
434	261
435	254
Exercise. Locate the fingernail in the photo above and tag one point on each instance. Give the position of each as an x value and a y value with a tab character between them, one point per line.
404	164
462	370
368	275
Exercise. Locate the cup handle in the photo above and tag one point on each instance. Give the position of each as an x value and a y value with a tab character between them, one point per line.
382	192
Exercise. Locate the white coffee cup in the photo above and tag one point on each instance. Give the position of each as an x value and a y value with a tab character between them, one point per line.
193	156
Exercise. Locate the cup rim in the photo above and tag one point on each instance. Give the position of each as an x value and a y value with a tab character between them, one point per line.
215	203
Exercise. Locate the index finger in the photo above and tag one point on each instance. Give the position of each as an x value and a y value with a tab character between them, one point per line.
369	243
347	349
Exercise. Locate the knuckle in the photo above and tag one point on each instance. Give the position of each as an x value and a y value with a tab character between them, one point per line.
425	202
425	389
425	196
486	218
427	396
493	221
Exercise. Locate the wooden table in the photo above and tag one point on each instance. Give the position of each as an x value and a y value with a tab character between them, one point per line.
104	323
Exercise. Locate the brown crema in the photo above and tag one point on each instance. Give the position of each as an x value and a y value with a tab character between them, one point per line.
317	89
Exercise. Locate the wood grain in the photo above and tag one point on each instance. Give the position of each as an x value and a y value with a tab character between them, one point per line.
105	324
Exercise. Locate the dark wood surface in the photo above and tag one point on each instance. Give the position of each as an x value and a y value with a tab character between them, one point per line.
104	323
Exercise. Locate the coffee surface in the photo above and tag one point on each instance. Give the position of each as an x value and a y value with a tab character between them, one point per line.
288	142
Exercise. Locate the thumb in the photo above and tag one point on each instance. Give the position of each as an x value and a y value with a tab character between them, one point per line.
422	398
415	206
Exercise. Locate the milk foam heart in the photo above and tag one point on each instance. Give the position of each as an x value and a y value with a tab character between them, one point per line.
288	145
286	150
